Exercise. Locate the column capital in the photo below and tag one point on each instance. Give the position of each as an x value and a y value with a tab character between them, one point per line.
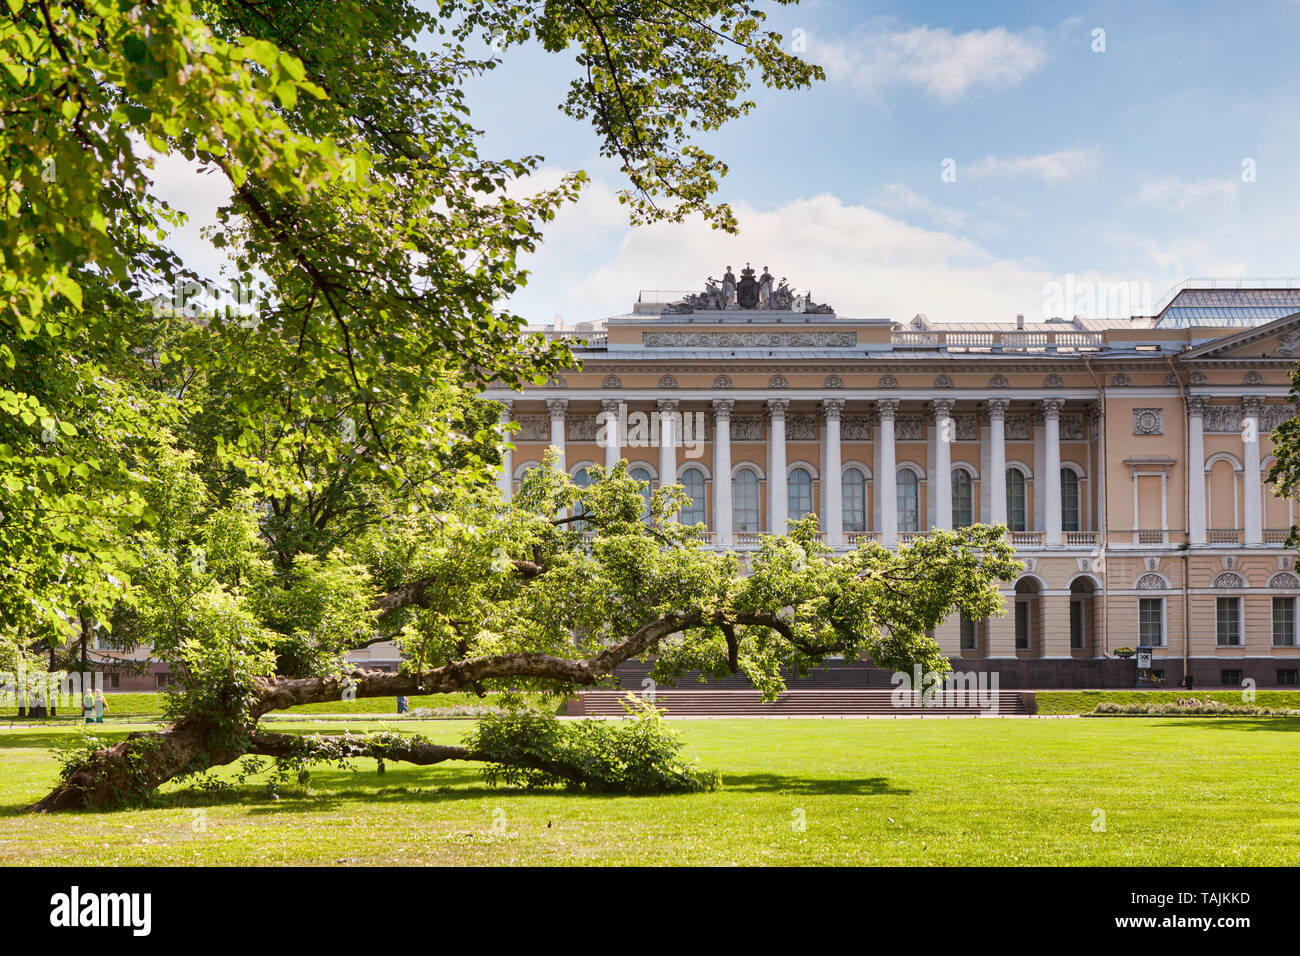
777	407
997	407
1252	405
557	407
668	404
610	404
507	410
942	408
886	407
722	408
1196	405
1052	408
832	408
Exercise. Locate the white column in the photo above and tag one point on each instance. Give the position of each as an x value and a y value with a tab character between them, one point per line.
668	418
506	480
997	477
609	432
942	476
1052	466
722	471
777	500
887	478
832	506
557	407
1196	469
1254	486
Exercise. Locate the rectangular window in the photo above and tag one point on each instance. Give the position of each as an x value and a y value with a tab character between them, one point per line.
163	681
1022	625
1230	678
1284	622
1076	625
1227	621
112	681
1151	622
853	500
969	635
1288	677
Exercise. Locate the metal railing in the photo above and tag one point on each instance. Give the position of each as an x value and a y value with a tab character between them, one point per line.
1071	341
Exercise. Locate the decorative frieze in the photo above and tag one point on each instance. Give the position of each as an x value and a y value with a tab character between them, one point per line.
801	428
967	427
722	381
749	340
834	381
909	428
1275	415
1223	419
1074	427
1120	380
747	428
1148	421
1019	427
612	381
855	428
533	428
582	427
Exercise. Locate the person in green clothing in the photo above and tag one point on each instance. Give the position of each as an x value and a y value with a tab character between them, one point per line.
101	705
88	706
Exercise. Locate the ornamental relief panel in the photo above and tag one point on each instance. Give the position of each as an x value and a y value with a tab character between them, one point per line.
801	428
1148	421
1017	428
909	428
855	428
747	428
748	340
533	428
1223	419
967	427
582	428
1073	428
1275	415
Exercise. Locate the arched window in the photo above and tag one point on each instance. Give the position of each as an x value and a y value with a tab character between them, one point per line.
1069	500
744	497
1016	500
642	474
853	498
963	506
693	484
909	500
799	494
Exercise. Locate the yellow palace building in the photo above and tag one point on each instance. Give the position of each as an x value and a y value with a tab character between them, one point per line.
1127	457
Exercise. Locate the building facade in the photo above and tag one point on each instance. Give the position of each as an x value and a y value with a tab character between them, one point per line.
1127	457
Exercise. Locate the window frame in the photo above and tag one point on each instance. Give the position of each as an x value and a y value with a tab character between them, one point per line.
914	525
1220	604
1295	635
738	516
1075	483
1017	520
966	492
1164	621
793	511
857	498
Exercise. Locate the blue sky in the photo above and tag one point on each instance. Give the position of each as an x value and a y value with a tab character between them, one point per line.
1119	167
1124	165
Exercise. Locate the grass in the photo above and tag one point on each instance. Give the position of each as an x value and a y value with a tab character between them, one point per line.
1199	791
1083	701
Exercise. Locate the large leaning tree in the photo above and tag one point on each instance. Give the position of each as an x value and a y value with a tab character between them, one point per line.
253	493
507	596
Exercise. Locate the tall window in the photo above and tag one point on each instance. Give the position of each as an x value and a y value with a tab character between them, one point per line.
1016	500
1022	625
1227	621
744	488
1284	622
963	507
969	635
799	495
693	485
1151	622
909	511
1076	625
853	498
1069	500
643	475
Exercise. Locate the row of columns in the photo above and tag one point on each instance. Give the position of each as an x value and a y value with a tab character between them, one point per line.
832	410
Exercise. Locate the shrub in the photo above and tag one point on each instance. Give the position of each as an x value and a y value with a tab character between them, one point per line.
1190	707
637	755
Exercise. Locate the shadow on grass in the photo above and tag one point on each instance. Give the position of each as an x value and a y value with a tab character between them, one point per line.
1283	724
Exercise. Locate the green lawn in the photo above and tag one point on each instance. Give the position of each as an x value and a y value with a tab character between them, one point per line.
1083	701
1174	791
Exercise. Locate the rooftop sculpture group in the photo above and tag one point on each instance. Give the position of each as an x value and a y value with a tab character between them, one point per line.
750	292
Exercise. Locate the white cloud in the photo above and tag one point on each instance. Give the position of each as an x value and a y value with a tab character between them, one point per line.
944	64
1055	167
1172	193
182	185
900	199
862	261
